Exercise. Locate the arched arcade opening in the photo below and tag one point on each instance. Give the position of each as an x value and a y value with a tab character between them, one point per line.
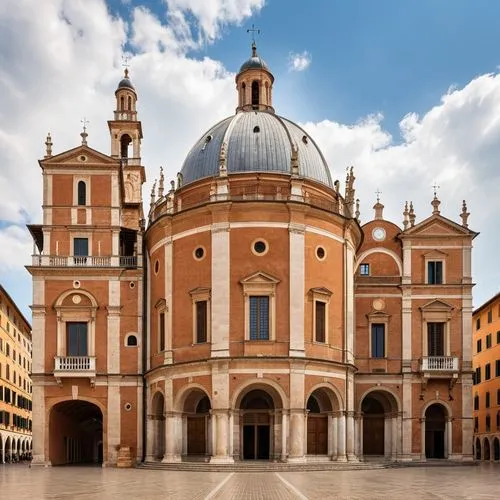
75	433
157	419
435	432
196	425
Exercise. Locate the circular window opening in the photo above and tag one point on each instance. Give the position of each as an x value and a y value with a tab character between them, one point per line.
127	406
76	284
320	253
157	266
132	284
260	247
199	253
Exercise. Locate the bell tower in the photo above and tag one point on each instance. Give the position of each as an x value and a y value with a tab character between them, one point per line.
254	83
126	135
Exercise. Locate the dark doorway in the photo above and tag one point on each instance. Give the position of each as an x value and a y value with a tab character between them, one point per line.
256	409
373	426
496	450
197	424
435	430
76	433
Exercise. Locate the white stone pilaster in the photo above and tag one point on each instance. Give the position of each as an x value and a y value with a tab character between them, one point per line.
113	330
169	313
114	421
349	303
40	427
467	419
341	447
172	452
284	434
220	290
297	295
407	418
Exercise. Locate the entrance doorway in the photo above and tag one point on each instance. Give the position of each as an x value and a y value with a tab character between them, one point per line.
373	426
256	409
197	428
75	433
317	428
435	430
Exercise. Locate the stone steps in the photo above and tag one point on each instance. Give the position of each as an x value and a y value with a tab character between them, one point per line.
263	466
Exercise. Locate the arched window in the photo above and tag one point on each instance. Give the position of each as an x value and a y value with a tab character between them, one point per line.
122	103
129	103
255	93
125	142
131	341
243	94
82	193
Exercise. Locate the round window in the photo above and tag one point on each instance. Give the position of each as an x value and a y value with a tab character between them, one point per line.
260	247
320	253
157	266
199	253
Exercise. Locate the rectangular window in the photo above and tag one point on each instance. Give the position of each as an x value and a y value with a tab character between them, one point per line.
488	423
81	247
488	341
378	340
487	372
498	396
478	323
478	375
76	344
201	321
478	345
497	368
434	272
259	318
476	424
490	316
498	337
364	269
1	393
320	333
476	402
162	330
435	339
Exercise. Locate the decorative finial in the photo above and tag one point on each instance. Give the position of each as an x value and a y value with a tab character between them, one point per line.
253	30
126	65
84	134
357	210
378	193
153	193
161	183
435	202
378	207
406	220
412	215
172	186
48	146
179	180
464	214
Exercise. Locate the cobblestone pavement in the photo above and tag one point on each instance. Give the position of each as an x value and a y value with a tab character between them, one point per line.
19	482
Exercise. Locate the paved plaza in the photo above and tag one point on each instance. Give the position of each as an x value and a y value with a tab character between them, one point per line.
21	482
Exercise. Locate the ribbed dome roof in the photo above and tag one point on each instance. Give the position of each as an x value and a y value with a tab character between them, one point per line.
125	83
256	141
255	62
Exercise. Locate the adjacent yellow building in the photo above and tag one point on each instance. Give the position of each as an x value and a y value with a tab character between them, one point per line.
15	381
486	364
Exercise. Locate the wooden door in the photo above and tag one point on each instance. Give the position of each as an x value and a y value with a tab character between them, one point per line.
196	440
373	435
317	435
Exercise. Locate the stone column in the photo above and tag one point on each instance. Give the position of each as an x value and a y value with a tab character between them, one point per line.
297	279
358	434
150	437
296	435
114	421
184	435
394	437
341	447
330	433
221	437
449	439
283	436
422	439
351	455
171	451
467	418
406	417
231	434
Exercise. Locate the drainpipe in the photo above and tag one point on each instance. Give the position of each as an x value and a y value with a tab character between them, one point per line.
144	346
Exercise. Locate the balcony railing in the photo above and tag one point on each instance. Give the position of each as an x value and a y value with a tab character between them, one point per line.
440	364
84	261
75	364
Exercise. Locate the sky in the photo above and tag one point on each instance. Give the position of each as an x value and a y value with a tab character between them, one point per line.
407	92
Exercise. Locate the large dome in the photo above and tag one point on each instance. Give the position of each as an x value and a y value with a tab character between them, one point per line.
256	141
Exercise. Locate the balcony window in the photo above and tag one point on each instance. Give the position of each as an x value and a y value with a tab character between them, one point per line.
435	339
77	343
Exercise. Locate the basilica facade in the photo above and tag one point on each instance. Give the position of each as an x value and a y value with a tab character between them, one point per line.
248	315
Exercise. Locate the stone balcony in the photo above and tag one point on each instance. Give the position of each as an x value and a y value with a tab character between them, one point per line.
75	367
129	261
440	367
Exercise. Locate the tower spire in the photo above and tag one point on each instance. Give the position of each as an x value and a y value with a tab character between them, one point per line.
84	134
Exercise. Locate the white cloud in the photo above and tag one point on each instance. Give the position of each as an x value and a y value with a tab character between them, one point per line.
299	61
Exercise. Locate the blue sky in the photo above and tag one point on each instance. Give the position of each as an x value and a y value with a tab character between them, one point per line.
406	91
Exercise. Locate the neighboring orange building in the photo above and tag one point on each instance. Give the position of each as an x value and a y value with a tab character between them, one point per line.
273	325
486	364
15	381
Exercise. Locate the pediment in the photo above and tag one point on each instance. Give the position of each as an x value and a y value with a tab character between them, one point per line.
437	305
259	277
80	156
321	291
374	315
437	225
434	254
201	290
161	304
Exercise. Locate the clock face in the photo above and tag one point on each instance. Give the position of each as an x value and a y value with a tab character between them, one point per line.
378	234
